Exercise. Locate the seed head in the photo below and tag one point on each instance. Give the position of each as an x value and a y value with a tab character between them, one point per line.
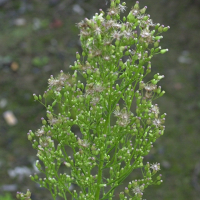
150	87
137	190
157	122
155	166
122	8
97	30
116	35
113	11
40	132
128	34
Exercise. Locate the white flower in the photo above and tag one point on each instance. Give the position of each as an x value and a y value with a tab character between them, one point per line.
100	17
127	34
150	87
145	33
157	122
122	8
116	35
155	109
137	190
40	132
155	167
117	113
97	31
53	121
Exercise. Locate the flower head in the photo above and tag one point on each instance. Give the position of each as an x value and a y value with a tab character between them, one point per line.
40	132
138	190
146	35
155	109
116	35
157	122
123	117
53	121
107	41
117	113
128	34
113	11
155	166
150	87
83	143
82	24
98	17
45	141
122	8
97	30
135	12
109	24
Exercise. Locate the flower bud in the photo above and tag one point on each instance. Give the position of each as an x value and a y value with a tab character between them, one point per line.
159	182
18	195
37	164
162	93
29	136
159	177
160	29
145	18
108	17
166	29
44	122
35	97
141	85
148	121
75	74
136	6
143	10
102	185
163	51
127	53
156	44
121	195
28	193
157	26
158	90
134	183
67	164
131	18
89	71
112	5
154	81
157	49
95	152
126	190
77	56
158	37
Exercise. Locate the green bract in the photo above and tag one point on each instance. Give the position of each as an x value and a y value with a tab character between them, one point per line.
113	139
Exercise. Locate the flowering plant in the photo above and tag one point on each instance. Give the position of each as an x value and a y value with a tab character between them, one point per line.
90	136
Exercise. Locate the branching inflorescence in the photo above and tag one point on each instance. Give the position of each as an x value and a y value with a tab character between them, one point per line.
113	139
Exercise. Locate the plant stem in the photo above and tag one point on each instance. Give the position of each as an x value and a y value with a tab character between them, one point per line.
99	176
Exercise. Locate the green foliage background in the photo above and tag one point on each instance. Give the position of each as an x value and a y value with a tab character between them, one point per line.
45	49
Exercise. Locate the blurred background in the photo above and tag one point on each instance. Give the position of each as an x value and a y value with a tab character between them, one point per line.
39	38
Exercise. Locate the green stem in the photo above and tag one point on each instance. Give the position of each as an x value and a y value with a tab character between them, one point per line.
101	162
99	176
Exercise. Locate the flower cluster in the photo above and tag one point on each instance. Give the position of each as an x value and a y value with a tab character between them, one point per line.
110	136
